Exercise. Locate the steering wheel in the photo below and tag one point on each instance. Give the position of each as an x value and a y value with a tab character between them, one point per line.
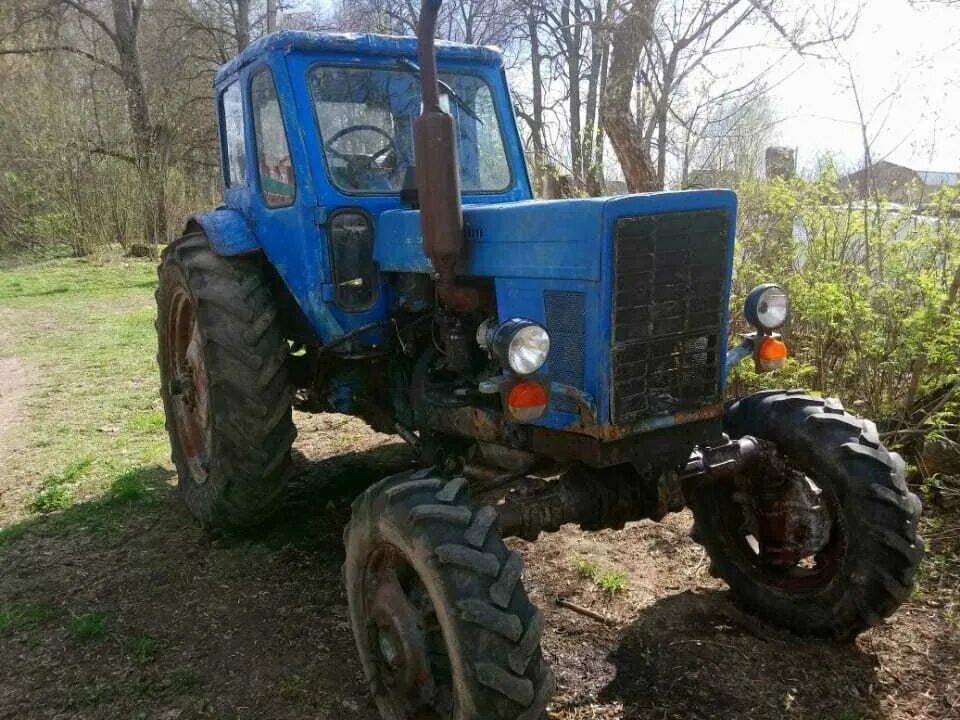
369	160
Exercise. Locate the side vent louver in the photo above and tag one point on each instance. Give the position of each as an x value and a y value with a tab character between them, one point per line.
566	325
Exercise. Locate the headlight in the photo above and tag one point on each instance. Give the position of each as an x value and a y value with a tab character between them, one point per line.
521	345
767	306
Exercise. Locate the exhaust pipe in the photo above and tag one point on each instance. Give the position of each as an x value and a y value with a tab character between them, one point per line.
438	173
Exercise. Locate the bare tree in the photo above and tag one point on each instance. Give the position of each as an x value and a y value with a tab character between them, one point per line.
663	45
477	22
119	23
630	38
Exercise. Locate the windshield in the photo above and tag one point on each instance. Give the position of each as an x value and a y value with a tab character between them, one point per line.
365	117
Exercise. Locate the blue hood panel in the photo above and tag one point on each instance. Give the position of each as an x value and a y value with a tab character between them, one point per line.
552	263
533	238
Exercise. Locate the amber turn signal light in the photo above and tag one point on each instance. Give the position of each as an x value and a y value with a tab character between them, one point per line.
527	400
771	354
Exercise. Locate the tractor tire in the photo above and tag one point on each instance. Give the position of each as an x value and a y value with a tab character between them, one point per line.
471	633
224	383
868	566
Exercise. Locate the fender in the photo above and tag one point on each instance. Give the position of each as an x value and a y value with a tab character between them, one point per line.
227	231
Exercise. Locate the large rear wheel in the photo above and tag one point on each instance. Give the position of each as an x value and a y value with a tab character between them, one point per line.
224	384
821	537
443	625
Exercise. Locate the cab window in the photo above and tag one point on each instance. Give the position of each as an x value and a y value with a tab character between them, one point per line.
274	167
365	118
231	109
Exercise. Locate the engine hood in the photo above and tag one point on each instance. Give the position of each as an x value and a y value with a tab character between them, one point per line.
543	239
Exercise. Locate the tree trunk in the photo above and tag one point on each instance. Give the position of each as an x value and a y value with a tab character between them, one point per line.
536	123
243	24
271	16
628	40
572	33
597	41
150	165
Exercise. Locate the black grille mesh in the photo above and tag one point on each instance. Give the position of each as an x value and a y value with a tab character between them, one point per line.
565	324
669	273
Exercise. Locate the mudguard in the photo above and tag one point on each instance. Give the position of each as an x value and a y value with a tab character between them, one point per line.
227	230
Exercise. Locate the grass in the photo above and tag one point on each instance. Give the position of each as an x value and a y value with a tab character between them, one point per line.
74	276
56	493
51	499
586	569
93	415
90	626
13	618
609	581
142	648
612	583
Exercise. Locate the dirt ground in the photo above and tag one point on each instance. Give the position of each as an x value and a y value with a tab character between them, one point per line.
127	609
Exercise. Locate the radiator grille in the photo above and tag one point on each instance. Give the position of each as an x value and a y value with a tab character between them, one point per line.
564	313
669	273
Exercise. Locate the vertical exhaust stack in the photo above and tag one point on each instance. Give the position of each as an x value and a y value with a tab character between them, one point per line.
438	174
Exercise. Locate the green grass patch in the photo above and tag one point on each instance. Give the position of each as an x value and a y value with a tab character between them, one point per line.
90	626
85	332
56	493
612	583
14	618
70	473
586	569
609	581
143	649
130	486
50	499
74	276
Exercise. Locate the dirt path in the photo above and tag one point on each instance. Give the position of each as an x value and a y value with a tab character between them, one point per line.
13	384
255	626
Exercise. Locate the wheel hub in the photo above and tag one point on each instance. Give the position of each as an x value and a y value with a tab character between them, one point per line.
400	636
188	387
787	525
792	522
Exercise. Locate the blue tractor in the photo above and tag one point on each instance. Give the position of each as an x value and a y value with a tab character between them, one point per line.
379	253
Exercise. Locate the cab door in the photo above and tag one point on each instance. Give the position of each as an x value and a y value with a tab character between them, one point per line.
284	207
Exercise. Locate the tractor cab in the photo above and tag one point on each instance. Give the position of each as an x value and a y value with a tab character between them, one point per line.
316	136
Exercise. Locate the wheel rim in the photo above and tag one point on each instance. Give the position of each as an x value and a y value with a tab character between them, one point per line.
790	535
413	668
187	385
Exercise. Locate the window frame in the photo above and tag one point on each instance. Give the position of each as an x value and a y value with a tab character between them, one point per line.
498	111
254	73
225	160
331	258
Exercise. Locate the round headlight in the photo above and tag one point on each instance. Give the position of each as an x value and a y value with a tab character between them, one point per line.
767	306
521	345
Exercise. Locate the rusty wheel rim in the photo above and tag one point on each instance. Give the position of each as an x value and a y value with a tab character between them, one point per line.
750	537
187	385
412	665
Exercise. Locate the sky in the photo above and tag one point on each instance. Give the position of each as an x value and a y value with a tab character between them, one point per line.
905	60
906	63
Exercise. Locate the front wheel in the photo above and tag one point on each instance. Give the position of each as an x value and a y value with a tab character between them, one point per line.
443	625
821	536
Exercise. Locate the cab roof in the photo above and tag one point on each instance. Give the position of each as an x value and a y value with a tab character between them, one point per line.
360	44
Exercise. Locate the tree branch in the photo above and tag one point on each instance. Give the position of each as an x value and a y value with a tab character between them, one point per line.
64	48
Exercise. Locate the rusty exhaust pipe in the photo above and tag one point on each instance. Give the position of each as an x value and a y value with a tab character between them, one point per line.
438	173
